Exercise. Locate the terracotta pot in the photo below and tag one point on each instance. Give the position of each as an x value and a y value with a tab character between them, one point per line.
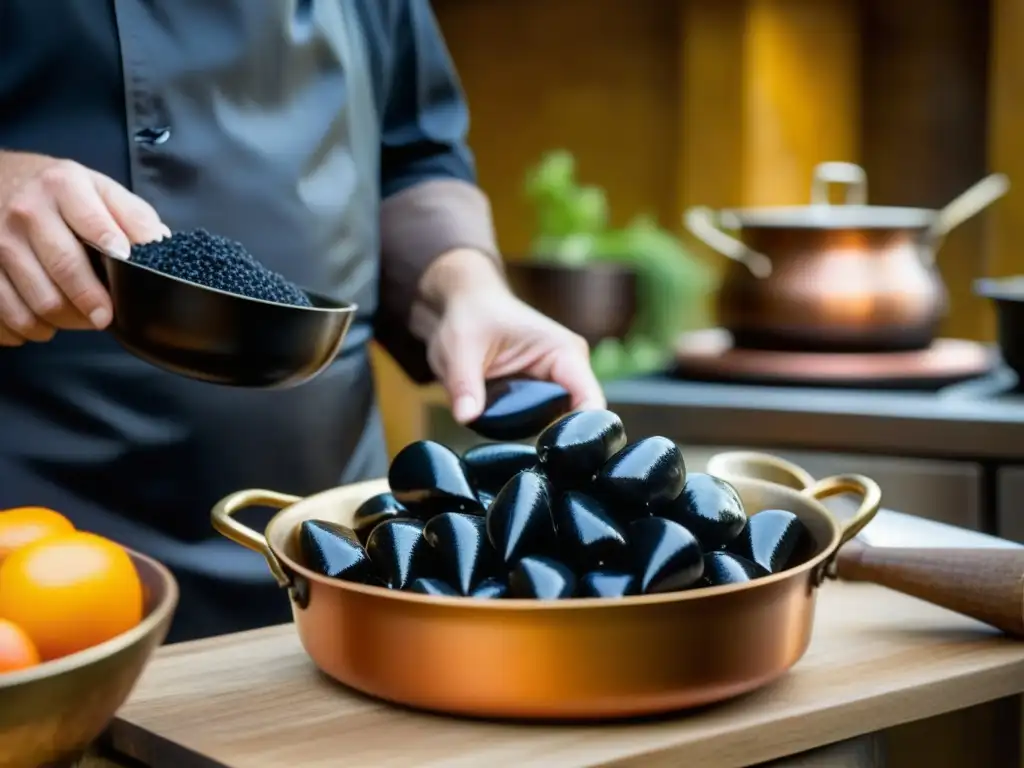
597	301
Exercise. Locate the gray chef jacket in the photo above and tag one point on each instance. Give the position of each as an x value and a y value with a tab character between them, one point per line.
328	136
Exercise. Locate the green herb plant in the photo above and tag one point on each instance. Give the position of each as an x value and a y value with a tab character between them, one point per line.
573	229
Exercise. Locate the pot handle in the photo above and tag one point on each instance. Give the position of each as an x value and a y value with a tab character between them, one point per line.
850	175
871	500
967	205
701	223
222	517
760	466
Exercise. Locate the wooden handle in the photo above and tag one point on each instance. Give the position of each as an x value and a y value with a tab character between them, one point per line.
985	584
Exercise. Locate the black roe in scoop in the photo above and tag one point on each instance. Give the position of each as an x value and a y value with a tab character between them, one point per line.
219	263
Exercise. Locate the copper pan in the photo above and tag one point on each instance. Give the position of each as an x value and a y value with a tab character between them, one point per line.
568	659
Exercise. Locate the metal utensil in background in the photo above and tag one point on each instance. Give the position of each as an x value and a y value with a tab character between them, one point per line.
1007	296
850	277
966	205
214	336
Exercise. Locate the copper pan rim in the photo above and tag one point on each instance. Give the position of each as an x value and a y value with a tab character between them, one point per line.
157	616
282	564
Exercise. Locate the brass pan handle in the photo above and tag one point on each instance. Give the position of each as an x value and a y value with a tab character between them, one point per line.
773	469
871	500
760	466
222	517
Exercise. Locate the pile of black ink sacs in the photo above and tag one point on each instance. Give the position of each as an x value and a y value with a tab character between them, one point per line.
217	262
581	514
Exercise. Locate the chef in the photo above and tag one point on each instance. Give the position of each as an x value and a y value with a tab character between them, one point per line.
327	136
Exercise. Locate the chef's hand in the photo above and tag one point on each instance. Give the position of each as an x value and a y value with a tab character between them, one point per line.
46	279
485	332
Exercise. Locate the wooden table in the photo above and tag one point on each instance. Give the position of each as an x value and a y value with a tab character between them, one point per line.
878	660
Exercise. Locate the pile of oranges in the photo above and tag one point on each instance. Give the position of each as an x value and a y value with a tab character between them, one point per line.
61	590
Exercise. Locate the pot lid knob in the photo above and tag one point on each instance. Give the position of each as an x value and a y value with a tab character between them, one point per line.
850	175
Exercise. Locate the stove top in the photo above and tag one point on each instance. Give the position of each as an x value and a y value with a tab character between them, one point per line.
1002	383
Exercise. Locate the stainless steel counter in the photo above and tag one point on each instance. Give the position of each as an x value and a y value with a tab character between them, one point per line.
893	423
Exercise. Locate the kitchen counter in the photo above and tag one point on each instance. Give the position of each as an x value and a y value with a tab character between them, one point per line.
873	421
878	659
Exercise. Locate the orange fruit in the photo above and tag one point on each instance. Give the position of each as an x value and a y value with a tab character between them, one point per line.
70	592
17	651
24	525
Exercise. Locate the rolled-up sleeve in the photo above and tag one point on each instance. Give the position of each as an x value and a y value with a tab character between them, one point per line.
431	203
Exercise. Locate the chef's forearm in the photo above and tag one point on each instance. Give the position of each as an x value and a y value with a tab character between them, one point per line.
432	212
437	236
426	221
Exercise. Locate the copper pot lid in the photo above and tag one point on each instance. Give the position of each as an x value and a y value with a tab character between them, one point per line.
826	216
854	213
929	226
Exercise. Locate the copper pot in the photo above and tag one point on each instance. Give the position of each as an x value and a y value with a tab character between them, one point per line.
567	659
823	277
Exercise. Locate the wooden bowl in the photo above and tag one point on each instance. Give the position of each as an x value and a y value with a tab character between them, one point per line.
597	301
51	713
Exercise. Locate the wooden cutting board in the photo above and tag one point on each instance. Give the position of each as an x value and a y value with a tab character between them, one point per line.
254	700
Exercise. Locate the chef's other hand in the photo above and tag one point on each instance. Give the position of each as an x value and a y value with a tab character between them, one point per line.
46	279
485	333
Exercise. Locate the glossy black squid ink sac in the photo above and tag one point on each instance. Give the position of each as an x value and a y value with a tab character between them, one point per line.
575	448
375	510
710	508
334	551
666	556
491	465
541	578
429	478
649	471
517	409
721	568
586	534
775	539
217	262
399	553
518	522
463	555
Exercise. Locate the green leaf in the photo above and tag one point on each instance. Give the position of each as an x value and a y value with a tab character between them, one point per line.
572	228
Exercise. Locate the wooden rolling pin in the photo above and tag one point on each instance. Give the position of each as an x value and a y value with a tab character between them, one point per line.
985	584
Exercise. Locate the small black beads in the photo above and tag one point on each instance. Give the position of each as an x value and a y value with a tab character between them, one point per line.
217	262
